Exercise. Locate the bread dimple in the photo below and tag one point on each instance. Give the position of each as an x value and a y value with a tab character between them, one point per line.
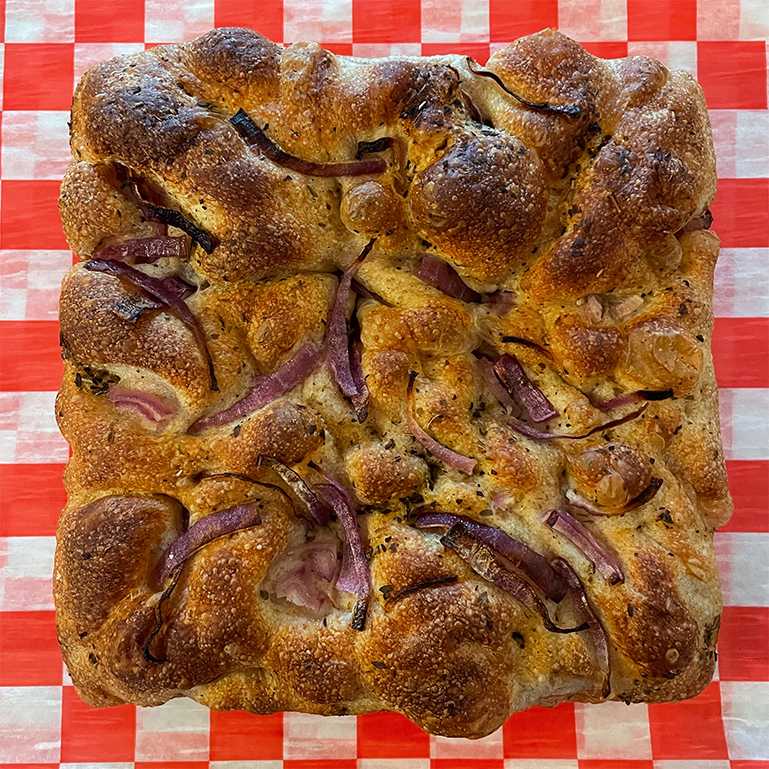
577	210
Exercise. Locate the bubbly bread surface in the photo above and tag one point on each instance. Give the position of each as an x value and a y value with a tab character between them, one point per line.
568	195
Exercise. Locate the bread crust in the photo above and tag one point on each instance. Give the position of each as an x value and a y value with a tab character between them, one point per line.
589	220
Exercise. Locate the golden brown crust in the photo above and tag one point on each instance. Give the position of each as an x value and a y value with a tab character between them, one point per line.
580	219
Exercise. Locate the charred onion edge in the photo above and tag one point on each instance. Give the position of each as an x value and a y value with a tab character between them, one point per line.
377	145
531	432
513	377
448	456
517	553
267	389
508	339
595	626
314	505
156	289
600	555
569	110
153	634
416	587
577	500
467	547
626	399
349	521
253	135
173	217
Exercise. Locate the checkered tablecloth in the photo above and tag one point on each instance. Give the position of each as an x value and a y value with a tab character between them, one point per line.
46	44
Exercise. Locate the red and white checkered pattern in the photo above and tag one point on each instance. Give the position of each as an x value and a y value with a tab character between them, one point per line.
44	46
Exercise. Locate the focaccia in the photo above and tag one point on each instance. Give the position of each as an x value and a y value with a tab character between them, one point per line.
388	382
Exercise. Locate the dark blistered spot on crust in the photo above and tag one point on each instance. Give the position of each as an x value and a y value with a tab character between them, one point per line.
661	636
482	203
94	332
135	112
319	666
380	475
235	58
95	207
107	549
456	691
284	430
586	351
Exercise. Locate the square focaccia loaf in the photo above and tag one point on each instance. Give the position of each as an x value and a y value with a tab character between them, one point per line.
388	382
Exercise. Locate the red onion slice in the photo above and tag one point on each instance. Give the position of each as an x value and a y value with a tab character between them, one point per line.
599	554
164	293
256	136
304	575
449	457
520	555
539	435
482	560
318	510
577	500
152	407
266	389
500	302
628	399
355	576
493	383
204	531
445	278
350	383
360	400
595	626
569	110
534	402
144	250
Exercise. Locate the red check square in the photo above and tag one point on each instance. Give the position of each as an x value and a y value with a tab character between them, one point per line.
509	20
741	352
237	736
742	644
741	213
29	215
119	21
29	651
38	76
386	21
390	735
749	484
541	733
321	763
265	16
612	764
175	765
677	731
661	20
95	734
40	367
733	73
31	498
466	763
